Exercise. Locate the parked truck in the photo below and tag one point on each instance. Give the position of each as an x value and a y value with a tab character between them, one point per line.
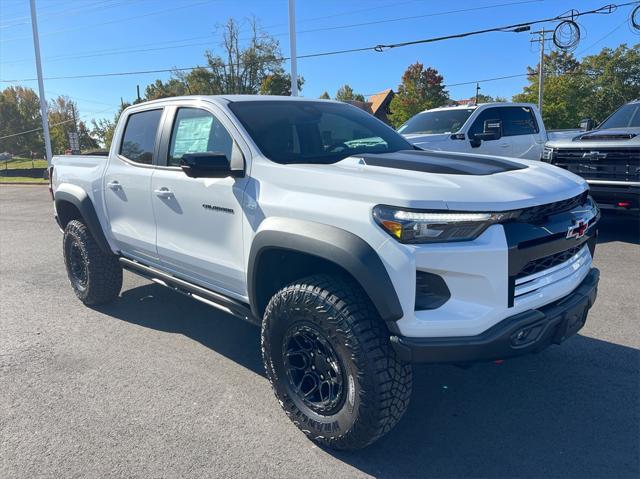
503	129
607	157
355	253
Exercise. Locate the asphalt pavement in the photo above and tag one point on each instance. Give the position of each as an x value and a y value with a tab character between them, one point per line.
158	385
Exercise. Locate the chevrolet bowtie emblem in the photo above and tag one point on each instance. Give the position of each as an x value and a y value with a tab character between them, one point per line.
594	155
578	230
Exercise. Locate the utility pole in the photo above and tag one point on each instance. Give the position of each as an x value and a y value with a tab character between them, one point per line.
138	91
541	40
292	42
477	92
43	100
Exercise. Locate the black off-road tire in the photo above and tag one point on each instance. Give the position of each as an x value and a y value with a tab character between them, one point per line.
96	276
377	385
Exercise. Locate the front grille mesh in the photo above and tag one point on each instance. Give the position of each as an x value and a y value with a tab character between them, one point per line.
535	266
537	214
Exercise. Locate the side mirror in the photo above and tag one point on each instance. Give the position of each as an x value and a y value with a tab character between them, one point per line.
492	131
587	124
212	164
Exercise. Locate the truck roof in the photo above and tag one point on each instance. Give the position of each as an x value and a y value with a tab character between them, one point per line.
231	99
473	107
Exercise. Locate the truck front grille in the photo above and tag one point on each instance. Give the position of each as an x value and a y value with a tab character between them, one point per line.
538	214
552	269
615	164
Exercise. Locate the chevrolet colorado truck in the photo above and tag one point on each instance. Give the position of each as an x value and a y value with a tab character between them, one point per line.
607	157
355	253
503	128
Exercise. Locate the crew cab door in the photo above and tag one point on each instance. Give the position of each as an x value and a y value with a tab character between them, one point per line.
127	184
199	220
520	128
498	147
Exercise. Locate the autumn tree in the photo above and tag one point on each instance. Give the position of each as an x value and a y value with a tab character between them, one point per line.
421	88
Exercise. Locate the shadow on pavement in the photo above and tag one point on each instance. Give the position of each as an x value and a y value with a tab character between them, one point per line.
571	411
619	227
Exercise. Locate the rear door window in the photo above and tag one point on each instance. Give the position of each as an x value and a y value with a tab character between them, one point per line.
139	138
518	120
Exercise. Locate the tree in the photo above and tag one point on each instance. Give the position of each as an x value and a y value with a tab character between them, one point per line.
325	96
104	128
278	83
20	111
62	115
346	93
591	88
420	89
87	142
245	67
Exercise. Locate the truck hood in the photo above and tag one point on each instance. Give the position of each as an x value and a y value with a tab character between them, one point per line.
610	138
427	139
428	179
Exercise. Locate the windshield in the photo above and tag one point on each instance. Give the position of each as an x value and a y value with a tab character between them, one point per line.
314	131
443	121
624	117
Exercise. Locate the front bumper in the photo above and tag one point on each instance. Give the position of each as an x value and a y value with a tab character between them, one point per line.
616	196
526	332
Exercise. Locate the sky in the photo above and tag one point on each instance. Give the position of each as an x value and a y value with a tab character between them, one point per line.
80	37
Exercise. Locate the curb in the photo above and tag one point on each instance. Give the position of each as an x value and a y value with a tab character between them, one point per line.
22	183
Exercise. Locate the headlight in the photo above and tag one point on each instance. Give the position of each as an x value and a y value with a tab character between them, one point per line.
420	226
547	154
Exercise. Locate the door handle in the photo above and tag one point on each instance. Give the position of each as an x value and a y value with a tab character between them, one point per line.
504	145
163	192
114	185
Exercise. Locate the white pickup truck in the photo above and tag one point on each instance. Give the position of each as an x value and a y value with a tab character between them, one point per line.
504	129
355	253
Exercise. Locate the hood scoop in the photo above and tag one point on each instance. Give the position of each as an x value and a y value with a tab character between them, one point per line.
442	163
607	136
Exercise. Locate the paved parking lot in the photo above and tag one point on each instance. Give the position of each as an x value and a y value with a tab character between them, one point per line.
157	385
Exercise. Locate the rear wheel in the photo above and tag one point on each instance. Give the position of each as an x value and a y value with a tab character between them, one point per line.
96	276
328	358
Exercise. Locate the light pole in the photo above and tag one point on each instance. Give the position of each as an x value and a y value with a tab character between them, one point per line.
292	42
43	100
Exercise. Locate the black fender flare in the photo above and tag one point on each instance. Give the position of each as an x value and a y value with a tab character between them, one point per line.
83	203
330	243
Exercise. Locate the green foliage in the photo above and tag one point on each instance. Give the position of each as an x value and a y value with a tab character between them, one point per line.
20	111
324	96
104	128
346	93
591	88
278	83
419	90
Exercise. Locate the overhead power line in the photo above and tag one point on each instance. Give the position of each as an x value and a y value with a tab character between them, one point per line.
606	9
110	22
135	49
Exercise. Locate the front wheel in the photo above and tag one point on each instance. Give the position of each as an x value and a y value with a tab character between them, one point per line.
328	358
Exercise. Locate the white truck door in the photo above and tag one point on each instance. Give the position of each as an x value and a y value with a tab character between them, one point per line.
520	128
500	147
199	220
127	185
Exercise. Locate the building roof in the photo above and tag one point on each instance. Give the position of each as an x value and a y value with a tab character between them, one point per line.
378	100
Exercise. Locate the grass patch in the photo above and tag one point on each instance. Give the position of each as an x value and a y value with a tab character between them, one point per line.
19	162
22	179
